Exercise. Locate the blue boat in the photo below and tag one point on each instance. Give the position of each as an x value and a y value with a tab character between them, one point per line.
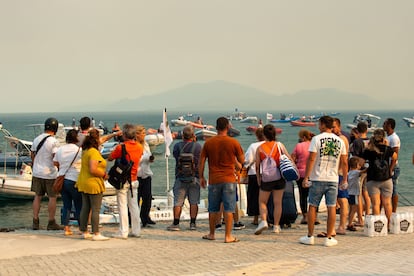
285	118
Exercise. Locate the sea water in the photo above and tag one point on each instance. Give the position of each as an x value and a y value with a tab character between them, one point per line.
19	213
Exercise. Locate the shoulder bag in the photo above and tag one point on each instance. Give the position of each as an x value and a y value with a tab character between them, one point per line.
244	176
58	184
288	169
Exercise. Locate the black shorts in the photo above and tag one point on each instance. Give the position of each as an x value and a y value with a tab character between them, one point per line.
273	185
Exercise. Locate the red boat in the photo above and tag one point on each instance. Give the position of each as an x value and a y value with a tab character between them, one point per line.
302	123
252	130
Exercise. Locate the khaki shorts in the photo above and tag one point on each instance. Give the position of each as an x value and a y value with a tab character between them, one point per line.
384	188
43	186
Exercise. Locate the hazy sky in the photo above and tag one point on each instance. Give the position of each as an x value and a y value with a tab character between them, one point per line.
61	52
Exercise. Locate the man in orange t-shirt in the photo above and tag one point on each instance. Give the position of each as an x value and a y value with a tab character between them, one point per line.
221	151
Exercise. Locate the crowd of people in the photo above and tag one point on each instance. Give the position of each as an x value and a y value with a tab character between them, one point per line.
331	164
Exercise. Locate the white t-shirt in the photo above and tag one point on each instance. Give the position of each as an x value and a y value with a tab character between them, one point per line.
64	157
394	142
250	157
329	148
43	166
144	169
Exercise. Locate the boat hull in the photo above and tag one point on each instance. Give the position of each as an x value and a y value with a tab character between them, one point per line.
17	187
162	208
303	124
249	120
204	134
409	121
252	130
154	139
11	160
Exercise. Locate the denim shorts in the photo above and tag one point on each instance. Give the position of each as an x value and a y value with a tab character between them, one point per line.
323	188
182	190
342	193
222	192
395	177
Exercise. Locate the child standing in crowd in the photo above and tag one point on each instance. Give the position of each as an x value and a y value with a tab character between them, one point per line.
354	188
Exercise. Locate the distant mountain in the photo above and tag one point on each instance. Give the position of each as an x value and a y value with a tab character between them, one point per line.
222	95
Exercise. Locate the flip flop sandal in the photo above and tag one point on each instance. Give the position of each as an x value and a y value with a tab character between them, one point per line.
207	237
234	240
351	228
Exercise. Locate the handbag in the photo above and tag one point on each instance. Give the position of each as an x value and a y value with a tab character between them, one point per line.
288	170
58	184
244	176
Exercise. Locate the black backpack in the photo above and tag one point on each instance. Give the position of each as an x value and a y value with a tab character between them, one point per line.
381	168
186	164
120	172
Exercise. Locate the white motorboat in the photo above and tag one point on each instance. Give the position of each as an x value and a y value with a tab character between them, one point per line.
154	139
373	121
249	119
20	149
237	115
179	122
13	159
17	185
162	208
204	134
409	121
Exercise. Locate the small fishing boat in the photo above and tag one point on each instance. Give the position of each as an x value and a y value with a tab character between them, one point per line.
154	139
249	119
204	134
233	132
252	130
285	118
303	123
182	122
372	121
409	121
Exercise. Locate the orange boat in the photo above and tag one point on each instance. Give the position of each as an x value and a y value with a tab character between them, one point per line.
302	123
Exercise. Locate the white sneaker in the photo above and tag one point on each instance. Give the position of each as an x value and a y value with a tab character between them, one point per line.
261	227
87	236
119	236
276	229
330	241
307	240
99	237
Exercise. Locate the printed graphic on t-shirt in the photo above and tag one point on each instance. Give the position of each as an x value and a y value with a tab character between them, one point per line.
330	146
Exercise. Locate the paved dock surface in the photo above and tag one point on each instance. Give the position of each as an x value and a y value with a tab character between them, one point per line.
161	252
